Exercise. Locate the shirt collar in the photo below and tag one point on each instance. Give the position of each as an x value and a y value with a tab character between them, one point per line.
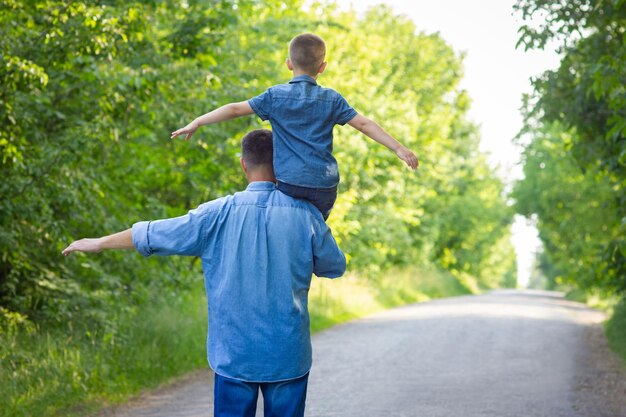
303	78
261	186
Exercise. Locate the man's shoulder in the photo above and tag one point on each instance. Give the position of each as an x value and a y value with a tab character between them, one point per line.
213	205
278	205
296	205
272	199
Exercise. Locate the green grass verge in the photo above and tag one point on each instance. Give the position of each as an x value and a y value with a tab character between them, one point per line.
77	370
336	301
616	329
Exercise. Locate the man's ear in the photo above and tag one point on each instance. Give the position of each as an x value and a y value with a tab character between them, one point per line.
322	67
289	64
243	165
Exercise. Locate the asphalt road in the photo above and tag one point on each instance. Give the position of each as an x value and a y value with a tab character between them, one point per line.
506	353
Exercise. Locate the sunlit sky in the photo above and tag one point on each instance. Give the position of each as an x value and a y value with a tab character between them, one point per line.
496	77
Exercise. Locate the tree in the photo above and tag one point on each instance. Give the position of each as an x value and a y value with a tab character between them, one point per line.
574	210
586	94
90	92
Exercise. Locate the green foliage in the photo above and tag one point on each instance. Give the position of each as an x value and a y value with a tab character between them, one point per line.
616	329
74	370
575	211
586	95
89	92
452	213
63	152
337	301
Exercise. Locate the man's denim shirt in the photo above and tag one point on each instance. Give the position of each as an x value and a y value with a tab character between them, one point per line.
258	248
303	115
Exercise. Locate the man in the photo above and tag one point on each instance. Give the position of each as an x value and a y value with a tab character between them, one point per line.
258	249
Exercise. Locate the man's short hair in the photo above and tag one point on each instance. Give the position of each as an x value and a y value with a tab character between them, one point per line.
256	147
307	52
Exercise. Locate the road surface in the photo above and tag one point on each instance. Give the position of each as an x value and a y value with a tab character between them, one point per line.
506	353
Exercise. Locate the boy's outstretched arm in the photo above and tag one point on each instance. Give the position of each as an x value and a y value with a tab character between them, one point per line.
226	112
371	129
121	240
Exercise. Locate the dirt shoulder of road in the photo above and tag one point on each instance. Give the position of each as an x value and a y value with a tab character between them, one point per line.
166	394
601	388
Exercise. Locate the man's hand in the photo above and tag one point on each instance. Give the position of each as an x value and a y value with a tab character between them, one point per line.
84	245
188	130
120	240
407	156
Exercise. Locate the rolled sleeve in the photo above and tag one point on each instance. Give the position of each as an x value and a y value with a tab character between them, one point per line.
328	260
344	112
262	105
186	235
140	238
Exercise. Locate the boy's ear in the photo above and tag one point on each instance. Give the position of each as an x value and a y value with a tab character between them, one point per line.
243	166
322	67
289	64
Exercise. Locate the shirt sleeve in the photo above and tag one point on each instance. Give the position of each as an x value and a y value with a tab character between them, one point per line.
328	260
185	235
262	104
343	111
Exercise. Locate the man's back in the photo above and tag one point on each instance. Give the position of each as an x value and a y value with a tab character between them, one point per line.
258	249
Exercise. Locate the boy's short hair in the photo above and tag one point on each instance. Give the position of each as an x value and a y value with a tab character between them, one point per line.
307	52
257	148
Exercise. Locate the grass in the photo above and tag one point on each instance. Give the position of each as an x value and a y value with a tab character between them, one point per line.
79	369
616	329
336	301
75	371
615	307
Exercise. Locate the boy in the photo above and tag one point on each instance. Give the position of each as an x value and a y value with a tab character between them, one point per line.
302	115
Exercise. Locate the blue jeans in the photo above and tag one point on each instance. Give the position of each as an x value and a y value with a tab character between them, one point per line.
234	398
322	198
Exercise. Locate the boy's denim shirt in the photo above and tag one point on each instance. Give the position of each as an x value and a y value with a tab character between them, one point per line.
303	115
258	250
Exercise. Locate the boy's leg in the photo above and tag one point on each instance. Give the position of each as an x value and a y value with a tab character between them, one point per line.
286	398
233	398
322	198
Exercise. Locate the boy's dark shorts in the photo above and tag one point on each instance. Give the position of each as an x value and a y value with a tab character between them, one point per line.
322	198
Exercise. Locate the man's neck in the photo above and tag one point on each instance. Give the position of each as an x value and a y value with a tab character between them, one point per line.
250	181
261	175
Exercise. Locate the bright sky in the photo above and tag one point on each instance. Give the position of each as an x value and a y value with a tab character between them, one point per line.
496	76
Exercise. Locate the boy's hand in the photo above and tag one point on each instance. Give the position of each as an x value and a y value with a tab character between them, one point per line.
188	131
407	156
372	130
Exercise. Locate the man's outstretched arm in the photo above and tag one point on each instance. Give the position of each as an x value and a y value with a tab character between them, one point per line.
121	240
